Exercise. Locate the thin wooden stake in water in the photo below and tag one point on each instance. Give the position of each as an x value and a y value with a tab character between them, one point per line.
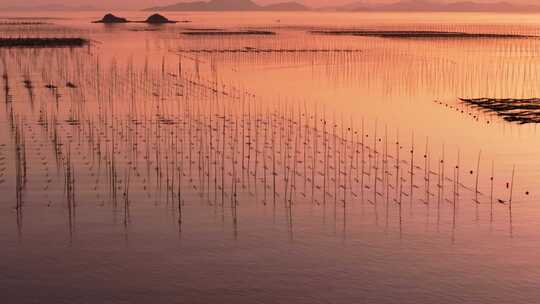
477	177
510	198
491	192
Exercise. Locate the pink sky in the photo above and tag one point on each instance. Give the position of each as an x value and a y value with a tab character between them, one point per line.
148	3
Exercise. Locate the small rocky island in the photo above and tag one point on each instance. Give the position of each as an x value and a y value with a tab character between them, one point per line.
153	19
110	18
158	19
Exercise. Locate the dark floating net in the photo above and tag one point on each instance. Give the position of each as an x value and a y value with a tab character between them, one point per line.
522	111
228	33
418	34
42	42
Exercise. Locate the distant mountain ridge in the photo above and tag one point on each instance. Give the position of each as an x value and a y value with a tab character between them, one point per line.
230	5
432	6
286	6
291	5
51	7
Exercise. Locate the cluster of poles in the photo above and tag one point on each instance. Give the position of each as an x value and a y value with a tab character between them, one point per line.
133	133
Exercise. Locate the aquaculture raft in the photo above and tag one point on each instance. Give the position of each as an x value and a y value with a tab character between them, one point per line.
229	33
418	34
522	111
42	42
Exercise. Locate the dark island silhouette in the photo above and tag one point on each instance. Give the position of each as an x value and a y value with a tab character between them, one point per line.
110	18
153	19
158	19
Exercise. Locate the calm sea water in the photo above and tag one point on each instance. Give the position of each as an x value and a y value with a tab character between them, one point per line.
88	204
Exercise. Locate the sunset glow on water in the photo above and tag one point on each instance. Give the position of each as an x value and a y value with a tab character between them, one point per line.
270	157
